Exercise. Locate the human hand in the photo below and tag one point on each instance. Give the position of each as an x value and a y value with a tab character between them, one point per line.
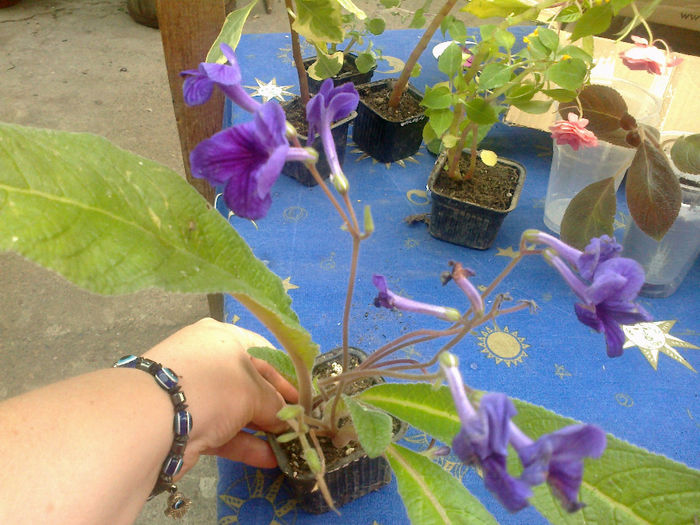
227	390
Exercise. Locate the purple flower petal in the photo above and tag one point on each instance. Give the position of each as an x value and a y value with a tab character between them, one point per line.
599	250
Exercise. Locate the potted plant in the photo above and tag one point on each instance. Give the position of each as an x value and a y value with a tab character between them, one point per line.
652	188
390	120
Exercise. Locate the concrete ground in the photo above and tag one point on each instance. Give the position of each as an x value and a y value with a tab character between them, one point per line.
85	65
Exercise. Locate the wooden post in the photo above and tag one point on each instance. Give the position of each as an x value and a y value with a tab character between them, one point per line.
188	28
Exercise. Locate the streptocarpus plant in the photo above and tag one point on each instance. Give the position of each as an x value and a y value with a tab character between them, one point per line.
100	203
246	161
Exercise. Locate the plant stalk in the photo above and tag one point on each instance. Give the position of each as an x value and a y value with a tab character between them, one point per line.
296	53
402	82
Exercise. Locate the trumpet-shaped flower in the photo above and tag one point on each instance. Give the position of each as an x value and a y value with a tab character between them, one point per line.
557	458
647	57
389	299
573	132
199	83
483	438
247	159
329	105
606	283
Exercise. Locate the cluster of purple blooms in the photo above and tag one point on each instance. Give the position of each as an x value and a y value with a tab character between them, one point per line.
247	159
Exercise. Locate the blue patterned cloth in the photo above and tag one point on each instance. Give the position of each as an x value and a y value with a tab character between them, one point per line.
649	396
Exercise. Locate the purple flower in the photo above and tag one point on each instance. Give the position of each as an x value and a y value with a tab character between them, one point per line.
557	458
483	439
247	159
199	83
389	299
609	287
329	105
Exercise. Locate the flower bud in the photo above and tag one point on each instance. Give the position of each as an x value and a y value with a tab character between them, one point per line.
368	221
290	412
340	182
449	360
290	131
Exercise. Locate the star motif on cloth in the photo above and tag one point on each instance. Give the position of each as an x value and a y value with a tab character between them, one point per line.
270	90
288	285
653	338
508	252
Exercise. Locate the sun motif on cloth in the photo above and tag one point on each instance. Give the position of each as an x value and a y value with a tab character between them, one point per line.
653	338
503	345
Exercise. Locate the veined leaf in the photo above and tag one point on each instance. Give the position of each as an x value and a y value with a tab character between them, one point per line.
603	106
364	62
230	32
593	22
113	223
326	66
569	73
432	496
495	75
374	427
686	154
279	360
438	97
419	405
481	112
652	190
627	484
439	120
319	21
450	61
549	38
589	214
376	26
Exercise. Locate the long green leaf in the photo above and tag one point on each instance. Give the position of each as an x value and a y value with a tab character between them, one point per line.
113	223
626	485
431	495
230	33
420	405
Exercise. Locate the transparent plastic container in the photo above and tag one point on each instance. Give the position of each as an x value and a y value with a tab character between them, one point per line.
572	171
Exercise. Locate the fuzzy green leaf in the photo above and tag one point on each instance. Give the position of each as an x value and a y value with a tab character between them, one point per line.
279	360
350	7
589	214
319	21
418	19
504	38
374	427
686	154
521	93
593	22
627	485
113	223
560	95
230	33
576	52
418	404
652	190
569	73
536	107
431	495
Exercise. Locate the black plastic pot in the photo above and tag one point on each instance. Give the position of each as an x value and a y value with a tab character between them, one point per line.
350	477
382	139
300	173
465	223
353	76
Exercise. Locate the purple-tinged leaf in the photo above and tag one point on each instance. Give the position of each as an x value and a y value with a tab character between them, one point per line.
603	106
589	214
653	190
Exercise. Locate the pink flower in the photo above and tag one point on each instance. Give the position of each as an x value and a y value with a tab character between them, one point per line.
645	56
573	132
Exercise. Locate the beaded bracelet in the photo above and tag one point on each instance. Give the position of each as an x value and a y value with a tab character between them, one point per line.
182	425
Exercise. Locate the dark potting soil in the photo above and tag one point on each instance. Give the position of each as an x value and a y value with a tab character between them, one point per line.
296	116
489	186
332	454
378	99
